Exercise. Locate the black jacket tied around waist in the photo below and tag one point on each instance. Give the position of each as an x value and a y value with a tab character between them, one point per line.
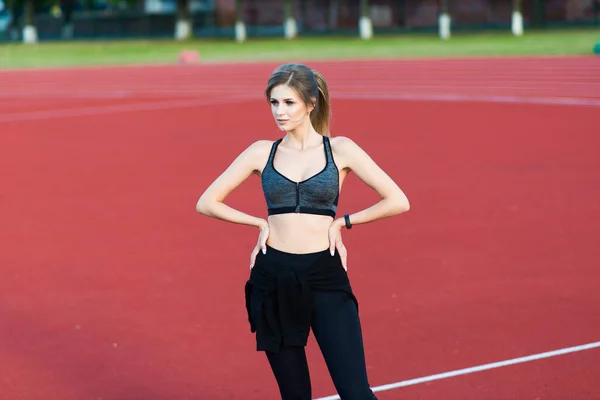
278	295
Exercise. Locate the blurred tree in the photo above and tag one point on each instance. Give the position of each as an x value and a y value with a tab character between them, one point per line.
289	22
365	26
88	4
443	5
29	28
444	20
15	8
517	19
128	4
67	8
183	25
39	6
240	25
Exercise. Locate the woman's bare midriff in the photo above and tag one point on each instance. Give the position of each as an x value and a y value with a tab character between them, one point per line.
299	233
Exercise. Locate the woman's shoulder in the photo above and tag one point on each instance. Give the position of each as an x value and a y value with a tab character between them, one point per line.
257	152
261	144
346	151
342	144
259	147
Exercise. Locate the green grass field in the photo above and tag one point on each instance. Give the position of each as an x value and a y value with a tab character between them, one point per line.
78	53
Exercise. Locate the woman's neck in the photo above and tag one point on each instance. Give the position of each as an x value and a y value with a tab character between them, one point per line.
302	137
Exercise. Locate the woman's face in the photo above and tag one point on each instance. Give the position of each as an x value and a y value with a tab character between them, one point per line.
288	109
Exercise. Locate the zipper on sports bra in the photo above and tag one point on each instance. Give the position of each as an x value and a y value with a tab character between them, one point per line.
297	197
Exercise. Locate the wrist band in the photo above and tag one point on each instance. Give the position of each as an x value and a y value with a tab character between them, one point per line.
347	219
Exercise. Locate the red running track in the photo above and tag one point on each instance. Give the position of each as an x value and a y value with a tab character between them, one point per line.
113	288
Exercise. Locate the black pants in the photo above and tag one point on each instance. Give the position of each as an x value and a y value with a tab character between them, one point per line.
336	327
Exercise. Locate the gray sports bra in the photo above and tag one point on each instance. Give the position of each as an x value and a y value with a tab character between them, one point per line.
316	195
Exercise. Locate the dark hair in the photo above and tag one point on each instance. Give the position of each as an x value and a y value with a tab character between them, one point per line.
310	86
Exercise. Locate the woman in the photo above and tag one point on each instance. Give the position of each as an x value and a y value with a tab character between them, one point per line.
298	277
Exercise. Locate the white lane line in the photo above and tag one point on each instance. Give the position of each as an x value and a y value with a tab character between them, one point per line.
172	104
479	368
98	110
566	101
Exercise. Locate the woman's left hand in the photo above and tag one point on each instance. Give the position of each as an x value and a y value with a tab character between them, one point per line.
335	241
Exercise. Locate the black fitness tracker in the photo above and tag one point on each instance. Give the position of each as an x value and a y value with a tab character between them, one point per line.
347	219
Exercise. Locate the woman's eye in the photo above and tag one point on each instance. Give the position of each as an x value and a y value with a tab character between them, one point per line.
289	103
273	102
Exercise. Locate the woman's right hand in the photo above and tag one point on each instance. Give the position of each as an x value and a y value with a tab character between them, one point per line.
261	245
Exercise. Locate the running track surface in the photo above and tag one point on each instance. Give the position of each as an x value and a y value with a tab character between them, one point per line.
112	287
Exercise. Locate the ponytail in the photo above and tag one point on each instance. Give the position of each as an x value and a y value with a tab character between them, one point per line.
321	115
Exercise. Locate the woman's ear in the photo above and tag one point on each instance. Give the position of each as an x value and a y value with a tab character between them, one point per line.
310	107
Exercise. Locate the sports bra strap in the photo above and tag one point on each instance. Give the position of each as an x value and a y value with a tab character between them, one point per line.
273	149
328	150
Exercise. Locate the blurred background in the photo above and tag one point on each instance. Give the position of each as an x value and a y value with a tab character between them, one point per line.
84	19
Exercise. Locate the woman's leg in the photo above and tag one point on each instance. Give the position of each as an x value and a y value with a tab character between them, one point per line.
290	368
336	327
289	364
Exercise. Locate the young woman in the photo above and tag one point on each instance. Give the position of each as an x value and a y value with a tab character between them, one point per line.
298	277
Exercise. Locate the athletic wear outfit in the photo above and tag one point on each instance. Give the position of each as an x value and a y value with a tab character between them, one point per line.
288	294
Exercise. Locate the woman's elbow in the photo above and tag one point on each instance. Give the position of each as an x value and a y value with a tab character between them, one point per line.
203	206
405	205
400	204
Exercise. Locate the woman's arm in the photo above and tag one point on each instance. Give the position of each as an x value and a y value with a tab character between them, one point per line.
250	161
393	200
